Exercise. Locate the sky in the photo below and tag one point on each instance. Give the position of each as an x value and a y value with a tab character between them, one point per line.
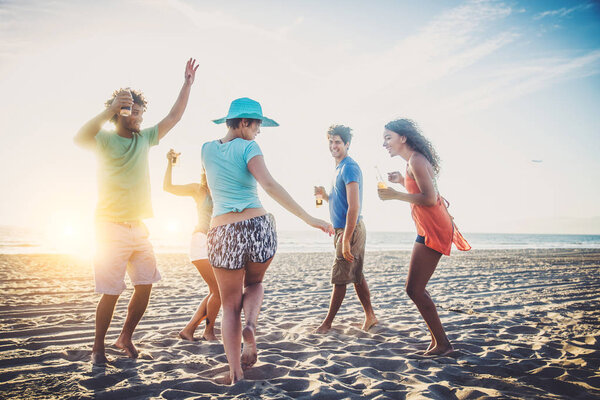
507	91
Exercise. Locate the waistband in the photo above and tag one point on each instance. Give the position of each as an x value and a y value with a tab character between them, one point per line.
267	216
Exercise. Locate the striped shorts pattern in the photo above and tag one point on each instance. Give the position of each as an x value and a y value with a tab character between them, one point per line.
232	246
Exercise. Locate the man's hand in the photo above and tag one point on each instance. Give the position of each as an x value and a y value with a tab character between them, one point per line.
387	193
190	71
320	190
395	177
123	99
346	250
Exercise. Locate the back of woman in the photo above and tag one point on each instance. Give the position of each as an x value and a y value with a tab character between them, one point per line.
242	240
231	184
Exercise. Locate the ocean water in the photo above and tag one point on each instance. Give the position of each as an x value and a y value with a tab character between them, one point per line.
26	241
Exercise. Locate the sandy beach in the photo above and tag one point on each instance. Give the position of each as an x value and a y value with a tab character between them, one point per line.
525	324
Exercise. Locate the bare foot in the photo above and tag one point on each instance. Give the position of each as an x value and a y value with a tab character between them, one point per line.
187	336
440	350
249	352
227	379
127	347
369	323
210	336
431	346
99	358
324	328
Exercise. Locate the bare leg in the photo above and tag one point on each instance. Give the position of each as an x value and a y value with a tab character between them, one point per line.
422	265
187	333
135	311
252	301
208	309
362	291
337	297
230	286
104	313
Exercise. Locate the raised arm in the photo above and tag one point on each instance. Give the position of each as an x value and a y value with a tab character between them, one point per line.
259	170
176	112
86	135
420	169
195	190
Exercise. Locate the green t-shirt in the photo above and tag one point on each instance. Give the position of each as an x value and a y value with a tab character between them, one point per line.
123	175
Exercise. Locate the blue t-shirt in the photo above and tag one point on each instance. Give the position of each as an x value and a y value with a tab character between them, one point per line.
232	186
346	171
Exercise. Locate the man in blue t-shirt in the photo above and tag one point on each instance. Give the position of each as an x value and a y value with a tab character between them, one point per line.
345	204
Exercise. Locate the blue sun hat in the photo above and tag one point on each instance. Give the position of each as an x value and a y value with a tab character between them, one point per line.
246	108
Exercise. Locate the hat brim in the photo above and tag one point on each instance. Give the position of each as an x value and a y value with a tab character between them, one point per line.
266	122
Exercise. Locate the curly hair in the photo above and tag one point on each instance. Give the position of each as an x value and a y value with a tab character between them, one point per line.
416	140
138	98
344	132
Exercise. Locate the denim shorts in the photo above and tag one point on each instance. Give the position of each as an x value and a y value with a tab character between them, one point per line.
232	246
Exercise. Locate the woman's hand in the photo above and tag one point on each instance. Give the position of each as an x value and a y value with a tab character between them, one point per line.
395	177
172	156
322	225
387	194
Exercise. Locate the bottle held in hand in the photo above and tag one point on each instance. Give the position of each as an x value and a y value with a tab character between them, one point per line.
126	111
380	182
319	200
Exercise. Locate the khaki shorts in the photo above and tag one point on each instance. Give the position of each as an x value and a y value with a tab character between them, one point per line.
123	247
343	271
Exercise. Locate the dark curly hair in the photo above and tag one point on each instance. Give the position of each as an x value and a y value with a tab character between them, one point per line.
138	98
344	132
416	140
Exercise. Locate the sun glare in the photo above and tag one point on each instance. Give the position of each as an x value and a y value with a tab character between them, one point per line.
67	234
172	226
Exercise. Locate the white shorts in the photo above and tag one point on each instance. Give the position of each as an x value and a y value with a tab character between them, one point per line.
198	247
123	247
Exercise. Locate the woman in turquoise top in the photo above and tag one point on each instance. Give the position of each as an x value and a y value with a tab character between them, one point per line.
211	304
242	239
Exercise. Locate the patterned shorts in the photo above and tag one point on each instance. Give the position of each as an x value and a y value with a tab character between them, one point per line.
232	246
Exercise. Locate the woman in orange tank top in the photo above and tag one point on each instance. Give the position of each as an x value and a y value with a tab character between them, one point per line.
435	227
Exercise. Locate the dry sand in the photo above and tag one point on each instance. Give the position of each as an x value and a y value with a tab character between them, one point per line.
525	324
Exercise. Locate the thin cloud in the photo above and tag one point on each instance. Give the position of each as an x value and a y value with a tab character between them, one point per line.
562	12
218	20
449	43
519	80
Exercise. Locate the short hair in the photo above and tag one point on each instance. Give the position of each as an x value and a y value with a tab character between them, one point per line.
138	98
234	123
344	132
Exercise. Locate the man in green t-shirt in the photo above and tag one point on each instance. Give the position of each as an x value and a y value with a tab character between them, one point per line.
123	201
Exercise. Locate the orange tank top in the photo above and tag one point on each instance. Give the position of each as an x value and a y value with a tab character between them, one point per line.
435	222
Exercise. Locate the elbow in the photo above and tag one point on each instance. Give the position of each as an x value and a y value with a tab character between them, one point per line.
270	187
430	202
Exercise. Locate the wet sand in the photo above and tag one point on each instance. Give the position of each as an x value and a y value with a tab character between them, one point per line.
525	324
